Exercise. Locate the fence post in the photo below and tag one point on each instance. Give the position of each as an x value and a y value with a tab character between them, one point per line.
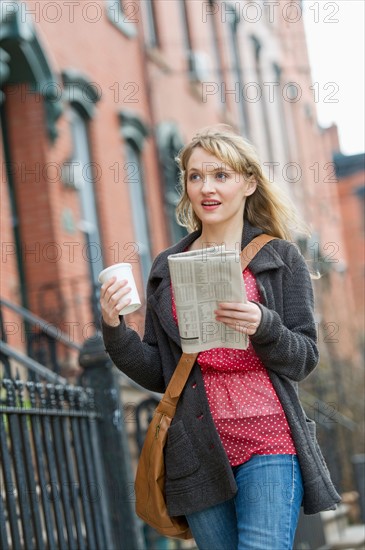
98	374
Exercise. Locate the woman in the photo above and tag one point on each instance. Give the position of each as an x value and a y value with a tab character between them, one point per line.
241	455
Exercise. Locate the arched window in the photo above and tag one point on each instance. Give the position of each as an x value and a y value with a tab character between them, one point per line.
150	26
233	19
281	112
82	98
217	72
264	110
169	144
89	223
134	133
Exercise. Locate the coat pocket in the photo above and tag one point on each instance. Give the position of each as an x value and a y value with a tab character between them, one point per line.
180	457
312	428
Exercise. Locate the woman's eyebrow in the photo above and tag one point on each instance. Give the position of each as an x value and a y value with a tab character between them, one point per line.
222	167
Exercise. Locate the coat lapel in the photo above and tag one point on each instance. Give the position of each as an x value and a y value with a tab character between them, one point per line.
161	304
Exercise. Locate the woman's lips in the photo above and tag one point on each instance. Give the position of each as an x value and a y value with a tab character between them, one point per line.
210	205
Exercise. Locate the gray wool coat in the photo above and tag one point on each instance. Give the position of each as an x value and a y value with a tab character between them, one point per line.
198	473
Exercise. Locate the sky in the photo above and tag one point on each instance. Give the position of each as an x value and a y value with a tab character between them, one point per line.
335	40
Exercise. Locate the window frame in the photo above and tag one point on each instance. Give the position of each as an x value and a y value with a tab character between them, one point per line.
170	142
235	57
138	209
134	133
117	16
150	25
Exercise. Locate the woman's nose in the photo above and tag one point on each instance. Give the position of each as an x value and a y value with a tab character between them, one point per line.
208	185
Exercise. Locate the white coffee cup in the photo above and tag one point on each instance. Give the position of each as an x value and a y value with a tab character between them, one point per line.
123	271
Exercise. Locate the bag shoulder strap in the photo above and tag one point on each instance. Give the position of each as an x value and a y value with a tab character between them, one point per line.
250	251
178	380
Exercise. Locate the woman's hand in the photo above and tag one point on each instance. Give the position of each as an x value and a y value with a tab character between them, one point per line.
111	294
244	318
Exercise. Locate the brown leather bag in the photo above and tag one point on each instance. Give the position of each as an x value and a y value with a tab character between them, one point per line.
150	478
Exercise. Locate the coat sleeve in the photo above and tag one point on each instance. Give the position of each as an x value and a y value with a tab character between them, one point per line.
288	346
138	359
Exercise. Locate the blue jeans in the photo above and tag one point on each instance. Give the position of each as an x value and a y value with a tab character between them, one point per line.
263	514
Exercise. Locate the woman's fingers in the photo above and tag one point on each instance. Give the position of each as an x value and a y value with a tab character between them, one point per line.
113	298
242	317
248	312
236	306
118	295
111	286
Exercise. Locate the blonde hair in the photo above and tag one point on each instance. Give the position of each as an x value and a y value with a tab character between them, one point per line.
267	208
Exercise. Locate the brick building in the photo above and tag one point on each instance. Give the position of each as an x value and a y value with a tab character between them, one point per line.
97	99
350	171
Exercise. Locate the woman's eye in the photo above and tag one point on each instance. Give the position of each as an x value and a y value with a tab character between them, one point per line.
193	177
221	176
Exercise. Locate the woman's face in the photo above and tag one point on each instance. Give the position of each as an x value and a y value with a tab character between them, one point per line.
217	193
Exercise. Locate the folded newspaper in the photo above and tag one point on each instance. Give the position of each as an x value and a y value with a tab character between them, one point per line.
200	279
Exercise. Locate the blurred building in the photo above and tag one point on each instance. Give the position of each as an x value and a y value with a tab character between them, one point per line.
350	171
97	99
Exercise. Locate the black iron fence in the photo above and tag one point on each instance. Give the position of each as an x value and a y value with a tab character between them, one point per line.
66	466
66	480
53	491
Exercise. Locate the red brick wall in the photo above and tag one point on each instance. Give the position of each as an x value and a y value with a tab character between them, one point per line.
317	191
156	89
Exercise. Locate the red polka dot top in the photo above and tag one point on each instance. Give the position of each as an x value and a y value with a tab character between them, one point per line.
245	408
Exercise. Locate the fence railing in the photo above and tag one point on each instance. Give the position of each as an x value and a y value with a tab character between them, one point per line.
53	490
62	425
8	353
65	466
44	342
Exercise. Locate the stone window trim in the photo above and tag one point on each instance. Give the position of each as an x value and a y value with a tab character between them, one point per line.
133	129
81	91
20	38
